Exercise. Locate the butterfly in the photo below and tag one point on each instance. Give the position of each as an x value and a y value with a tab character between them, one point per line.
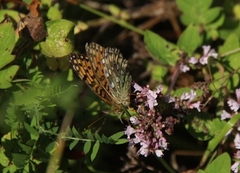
106	72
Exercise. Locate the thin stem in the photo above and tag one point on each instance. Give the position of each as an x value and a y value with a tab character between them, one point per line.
120	22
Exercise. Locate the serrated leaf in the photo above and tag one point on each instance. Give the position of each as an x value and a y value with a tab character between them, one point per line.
196	125
87	147
231	43
162	50
215	125
212	14
193	11
190	39
95	151
73	144
59	42
186	5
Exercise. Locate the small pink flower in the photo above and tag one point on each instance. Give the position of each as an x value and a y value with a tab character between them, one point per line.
193	60
134	120
129	131
184	68
207	52
233	104
159	153
235	166
237	141
148	95
238	94
137	87
225	115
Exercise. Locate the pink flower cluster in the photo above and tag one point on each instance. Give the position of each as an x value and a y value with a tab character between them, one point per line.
148	126
186	101
203	60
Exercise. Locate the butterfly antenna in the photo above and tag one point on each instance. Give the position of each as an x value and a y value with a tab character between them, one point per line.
94	122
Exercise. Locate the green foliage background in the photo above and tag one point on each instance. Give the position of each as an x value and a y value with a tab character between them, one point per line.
38	89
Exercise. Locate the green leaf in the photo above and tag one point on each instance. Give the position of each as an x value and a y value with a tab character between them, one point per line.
180	91
5	59
197	127
230	59
50	147
160	48
121	141
68	131
186	5
95	151
212	144
105	139
73	144
31	130
10	168
215	125
212	14
29	96
158	72
90	135
117	135
14	14
4	84
97	137
7	39
27	149
75	133
193	11
20	160
6	76
190	39
54	13
212	30
59	42
222	164
4	161
220	80
230	44
87	147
